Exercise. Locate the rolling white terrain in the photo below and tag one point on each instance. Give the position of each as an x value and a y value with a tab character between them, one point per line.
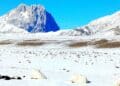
49	60
80	57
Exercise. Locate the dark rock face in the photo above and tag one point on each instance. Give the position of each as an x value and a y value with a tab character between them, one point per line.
6	77
32	18
50	23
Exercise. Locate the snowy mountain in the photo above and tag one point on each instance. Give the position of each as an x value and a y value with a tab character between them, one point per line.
9	28
108	25
32	18
51	59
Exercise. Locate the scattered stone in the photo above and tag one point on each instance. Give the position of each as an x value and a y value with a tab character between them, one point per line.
19	61
19	78
24	76
117	83
79	79
68	71
5	77
36	74
117	67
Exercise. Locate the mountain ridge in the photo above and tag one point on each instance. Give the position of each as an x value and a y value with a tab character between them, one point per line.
32	18
106	25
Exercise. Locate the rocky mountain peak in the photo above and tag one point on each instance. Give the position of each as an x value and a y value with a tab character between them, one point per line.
32	18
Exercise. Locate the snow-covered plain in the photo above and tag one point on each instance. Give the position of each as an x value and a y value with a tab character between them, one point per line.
49	61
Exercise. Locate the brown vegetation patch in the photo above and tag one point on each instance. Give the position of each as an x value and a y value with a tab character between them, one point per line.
29	40
5	42
96	42
30	43
78	44
109	45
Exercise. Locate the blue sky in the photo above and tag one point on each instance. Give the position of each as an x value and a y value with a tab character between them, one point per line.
69	13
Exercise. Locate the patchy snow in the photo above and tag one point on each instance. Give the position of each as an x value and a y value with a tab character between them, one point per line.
56	64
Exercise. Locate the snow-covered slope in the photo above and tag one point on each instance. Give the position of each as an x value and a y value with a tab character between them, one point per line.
9	28
32	18
108	25
39	60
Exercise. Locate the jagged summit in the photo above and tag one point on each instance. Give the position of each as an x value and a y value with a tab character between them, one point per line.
32	18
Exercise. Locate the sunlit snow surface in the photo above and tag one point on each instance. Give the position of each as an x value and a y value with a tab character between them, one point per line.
56	61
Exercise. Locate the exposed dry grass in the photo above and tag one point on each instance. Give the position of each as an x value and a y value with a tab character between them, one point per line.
104	43
100	41
78	44
86	43
29	40
5	42
30	43
109	45
96	42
